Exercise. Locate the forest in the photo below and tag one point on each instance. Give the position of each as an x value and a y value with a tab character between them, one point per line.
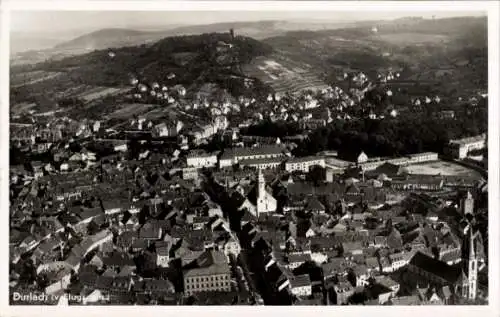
406	134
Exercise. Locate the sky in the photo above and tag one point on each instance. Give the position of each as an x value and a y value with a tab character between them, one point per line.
58	22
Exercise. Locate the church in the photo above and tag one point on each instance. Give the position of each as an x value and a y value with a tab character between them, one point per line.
259	200
461	278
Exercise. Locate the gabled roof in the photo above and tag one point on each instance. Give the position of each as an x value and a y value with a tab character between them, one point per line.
300	281
451	274
313	204
406	300
389	169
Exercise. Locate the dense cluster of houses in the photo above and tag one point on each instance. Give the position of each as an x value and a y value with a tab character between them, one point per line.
149	230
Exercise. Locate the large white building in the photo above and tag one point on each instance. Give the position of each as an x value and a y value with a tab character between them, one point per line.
303	164
370	164
422	157
200	159
461	147
234	156
262	164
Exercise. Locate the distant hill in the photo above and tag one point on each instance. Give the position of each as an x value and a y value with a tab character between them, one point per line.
194	59
107	38
111	38
422	45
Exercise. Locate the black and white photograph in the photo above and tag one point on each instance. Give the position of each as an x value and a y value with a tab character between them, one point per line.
250	157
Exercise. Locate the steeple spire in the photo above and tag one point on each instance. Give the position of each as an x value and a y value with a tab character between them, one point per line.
468	204
472	266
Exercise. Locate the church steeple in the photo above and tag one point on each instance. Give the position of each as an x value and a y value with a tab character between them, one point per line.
261	193
262	182
472	266
468	204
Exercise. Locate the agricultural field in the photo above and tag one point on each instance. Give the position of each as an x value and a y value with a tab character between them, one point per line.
20	108
284	75
159	113
72	91
29	78
100	92
126	111
441	167
410	38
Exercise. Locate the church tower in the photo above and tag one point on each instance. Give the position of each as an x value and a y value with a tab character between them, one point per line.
468	204
472	267
261	193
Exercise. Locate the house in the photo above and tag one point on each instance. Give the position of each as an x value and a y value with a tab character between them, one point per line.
293	261
213	209
200	223
113	206
352	248
212	273
380	293
342	292
117	260
168	129
150	231
314	206
190	173
385	264
460	148
301	285
362	275
163	254
372	264
154	287
121	147
399	259
388	282
335	266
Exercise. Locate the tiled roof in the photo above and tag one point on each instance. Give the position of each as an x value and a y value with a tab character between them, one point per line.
469	140
300	281
273	160
386	281
246	151
304	159
216	265
436	267
406	300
